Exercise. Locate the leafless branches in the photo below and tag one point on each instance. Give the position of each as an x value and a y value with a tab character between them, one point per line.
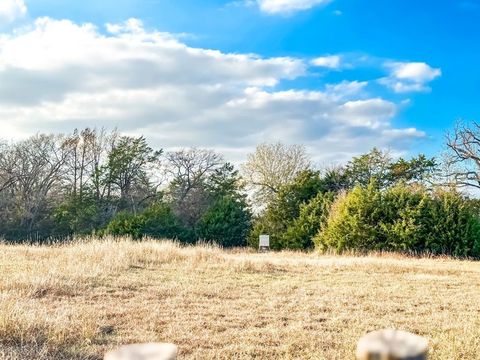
273	165
463	160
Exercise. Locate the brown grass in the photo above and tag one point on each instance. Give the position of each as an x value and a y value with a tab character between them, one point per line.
77	301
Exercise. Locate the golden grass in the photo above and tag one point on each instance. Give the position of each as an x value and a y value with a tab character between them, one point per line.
79	300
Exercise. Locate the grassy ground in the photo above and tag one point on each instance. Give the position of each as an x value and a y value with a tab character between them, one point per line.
78	301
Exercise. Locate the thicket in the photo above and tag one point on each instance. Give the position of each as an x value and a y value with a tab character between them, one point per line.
98	182
299	205
301	208
158	221
402	218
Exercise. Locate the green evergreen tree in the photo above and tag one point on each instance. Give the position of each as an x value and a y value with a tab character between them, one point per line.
285	208
312	216
226	223
402	218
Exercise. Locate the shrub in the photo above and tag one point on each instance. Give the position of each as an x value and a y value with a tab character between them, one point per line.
78	215
285	208
312	215
451	225
157	221
265	225
227	222
160	222
402	218
353	222
125	223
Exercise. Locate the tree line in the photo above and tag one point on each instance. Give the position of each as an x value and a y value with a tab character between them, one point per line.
100	182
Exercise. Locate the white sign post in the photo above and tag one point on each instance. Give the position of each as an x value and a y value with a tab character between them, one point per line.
264	244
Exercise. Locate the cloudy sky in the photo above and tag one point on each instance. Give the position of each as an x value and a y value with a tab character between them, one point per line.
339	76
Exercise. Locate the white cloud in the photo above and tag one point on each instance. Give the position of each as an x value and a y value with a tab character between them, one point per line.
330	61
415	71
59	75
287	6
402	132
346	89
11	10
410	76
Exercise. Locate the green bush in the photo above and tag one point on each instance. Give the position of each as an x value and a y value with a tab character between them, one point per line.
451	225
78	215
226	223
158	221
353	222
313	214
265	225
126	224
285	208
402	218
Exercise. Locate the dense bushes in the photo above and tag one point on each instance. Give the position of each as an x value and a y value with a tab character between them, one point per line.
158	221
306	213
312	215
227	223
98	182
125	223
285	208
402	218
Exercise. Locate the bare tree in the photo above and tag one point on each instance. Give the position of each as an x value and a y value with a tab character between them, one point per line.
79	159
88	152
35	169
273	165
6	176
463	159
189	170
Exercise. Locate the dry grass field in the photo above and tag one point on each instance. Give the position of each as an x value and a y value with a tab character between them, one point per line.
77	301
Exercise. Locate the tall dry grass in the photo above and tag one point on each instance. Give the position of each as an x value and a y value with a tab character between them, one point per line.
76	301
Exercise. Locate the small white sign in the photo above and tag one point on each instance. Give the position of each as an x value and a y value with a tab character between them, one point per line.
265	241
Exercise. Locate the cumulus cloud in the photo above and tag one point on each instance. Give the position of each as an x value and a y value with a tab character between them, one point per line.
287	6
330	61
410	76
11	10
59	75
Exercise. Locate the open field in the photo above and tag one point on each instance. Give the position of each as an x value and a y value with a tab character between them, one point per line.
77	301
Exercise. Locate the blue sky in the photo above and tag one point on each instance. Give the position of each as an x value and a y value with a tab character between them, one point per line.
340	76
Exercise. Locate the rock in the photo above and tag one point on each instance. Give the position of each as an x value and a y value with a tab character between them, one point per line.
392	345
152	351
